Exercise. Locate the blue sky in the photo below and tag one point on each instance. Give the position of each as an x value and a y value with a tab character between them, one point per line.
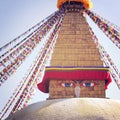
18	16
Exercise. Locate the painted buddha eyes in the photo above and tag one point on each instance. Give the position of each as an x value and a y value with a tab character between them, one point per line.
67	84
88	84
84	84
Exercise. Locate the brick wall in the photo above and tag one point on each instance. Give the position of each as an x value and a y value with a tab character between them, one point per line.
75	46
57	89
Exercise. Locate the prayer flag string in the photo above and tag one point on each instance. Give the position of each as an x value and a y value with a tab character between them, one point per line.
109	31
38	66
26	49
39	30
107	60
47	49
27	32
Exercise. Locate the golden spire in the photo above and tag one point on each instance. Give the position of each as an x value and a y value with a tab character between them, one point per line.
86	3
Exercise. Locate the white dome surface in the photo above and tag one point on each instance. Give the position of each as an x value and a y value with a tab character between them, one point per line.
71	109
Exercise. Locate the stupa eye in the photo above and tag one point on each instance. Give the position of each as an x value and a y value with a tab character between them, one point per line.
67	84
89	84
